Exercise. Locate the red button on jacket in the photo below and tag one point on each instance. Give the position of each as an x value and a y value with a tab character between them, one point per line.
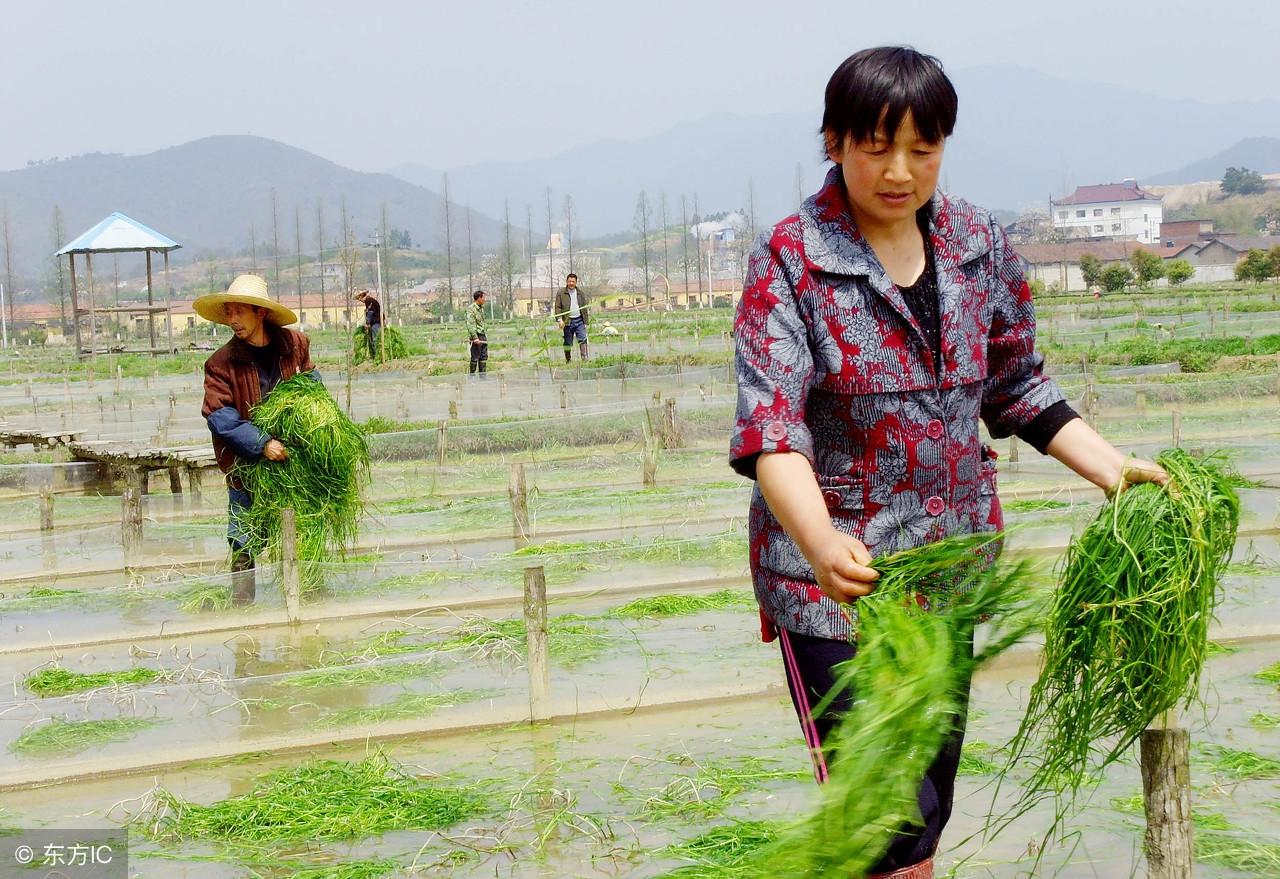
934	430
935	505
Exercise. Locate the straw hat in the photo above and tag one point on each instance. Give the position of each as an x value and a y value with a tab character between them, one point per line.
248	290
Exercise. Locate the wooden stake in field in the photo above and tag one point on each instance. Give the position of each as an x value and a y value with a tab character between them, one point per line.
46	510
442	442
1164	757
535	625
650	461
1177	428
131	515
517	491
290	571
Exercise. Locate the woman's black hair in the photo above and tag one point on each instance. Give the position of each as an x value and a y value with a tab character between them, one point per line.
875	88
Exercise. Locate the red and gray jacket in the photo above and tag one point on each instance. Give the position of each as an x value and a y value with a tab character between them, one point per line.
832	364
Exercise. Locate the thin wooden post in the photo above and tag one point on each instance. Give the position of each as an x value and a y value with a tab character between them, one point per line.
671	425
46	510
131	514
517	491
442	442
290	573
564	397
453	409
175	481
1177	428
1166	792
650	462
193	484
1090	402
1013	450
535	626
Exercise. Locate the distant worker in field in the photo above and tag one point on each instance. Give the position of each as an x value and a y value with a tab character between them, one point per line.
476	334
608	329
372	322
261	353
571	311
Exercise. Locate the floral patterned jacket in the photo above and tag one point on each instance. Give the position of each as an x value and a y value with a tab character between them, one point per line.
832	364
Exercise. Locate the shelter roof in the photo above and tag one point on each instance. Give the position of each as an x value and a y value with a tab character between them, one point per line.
119	234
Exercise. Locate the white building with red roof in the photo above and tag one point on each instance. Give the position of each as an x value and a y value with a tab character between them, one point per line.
1110	210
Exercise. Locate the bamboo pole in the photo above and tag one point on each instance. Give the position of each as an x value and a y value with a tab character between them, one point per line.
519	495
1177	428
291	573
650	462
442	442
535	623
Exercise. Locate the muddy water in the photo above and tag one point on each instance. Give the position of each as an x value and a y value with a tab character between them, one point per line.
609	767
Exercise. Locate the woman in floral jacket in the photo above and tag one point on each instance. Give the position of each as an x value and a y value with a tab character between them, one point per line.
876	327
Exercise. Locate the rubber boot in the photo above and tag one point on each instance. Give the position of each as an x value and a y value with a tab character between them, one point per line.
568	355
922	870
582	349
244	585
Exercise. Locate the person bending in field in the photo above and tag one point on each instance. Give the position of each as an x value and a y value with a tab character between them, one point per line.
262	353
372	324
877	326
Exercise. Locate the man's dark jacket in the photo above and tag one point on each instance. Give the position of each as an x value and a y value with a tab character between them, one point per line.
562	305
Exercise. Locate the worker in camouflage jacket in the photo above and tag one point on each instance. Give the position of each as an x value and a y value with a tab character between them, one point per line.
478	341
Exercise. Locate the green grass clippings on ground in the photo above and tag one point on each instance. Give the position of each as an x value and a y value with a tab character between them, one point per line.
682	605
1265	720
66	737
1270	674
975	759
61	681
729	851
408	705
1033	505
319	800
363	675
1239	765
710	787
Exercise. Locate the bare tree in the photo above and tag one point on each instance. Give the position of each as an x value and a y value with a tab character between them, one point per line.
471	265
324	305
349	256
508	260
448	244
643	217
388	268
799	185
697	238
253	247
568	226
8	263
666	266
528	210
297	252
59	239
684	241
275	242
551	251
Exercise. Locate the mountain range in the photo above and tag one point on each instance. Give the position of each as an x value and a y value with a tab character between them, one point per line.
1022	137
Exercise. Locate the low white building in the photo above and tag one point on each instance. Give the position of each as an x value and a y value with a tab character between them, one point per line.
1110	210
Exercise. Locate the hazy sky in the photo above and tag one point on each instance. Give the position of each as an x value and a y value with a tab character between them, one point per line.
371	85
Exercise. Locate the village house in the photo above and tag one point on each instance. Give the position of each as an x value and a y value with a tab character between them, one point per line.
1110	210
1057	266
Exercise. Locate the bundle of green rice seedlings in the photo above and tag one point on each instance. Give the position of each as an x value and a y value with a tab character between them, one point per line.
392	345
1127	634
910	679
321	480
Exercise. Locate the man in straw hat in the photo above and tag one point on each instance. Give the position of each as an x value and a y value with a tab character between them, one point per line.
261	353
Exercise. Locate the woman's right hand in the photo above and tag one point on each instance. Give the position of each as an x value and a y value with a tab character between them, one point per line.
842	566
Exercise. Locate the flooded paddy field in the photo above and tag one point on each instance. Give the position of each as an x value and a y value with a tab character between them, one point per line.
386	732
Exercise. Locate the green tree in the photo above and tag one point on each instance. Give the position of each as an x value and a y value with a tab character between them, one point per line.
1178	271
1242	181
1147	267
1115	277
1091	269
1273	262
1254	267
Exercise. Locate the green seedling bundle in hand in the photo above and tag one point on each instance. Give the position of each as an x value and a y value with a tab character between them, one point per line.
392	346
910	678
1127	634
322	479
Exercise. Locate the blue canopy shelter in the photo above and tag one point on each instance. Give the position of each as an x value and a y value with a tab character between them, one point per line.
119	234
